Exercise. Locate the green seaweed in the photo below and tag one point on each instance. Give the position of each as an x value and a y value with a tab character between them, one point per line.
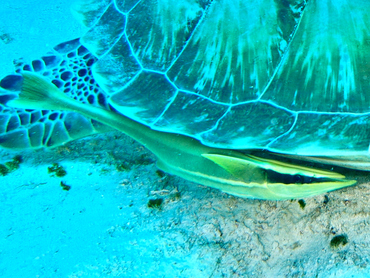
57	169
10	166
338	240
65	186
155	203
3	170
160	173
302	203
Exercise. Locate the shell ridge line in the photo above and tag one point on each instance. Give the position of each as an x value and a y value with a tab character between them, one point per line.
200	135
284	54
190	37
285	133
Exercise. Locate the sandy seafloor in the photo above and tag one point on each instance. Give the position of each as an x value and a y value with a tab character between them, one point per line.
103	227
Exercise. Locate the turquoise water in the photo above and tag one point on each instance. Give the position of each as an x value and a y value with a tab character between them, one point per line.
115	215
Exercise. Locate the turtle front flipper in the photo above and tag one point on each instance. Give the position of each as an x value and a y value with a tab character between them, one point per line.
68	66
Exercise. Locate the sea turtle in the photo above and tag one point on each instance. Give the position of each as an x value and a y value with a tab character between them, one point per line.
203	84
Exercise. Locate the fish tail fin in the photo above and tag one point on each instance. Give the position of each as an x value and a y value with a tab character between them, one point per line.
39	93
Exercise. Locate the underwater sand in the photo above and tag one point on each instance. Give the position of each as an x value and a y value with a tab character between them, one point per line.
103	226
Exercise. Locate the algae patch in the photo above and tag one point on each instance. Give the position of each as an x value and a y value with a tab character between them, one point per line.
155	203
302	203
338	241
65	186
160	173
10	166
57	170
